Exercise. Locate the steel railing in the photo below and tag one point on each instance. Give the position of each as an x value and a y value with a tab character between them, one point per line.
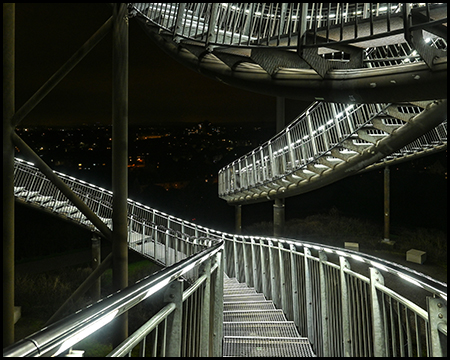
188	322
346	302
290	25
281	24
313	135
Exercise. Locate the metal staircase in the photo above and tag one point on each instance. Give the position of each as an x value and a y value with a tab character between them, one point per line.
252	326
331	141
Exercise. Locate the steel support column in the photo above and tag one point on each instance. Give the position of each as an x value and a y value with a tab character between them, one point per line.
238	219
278	217
8	173
120	159
95	263
387	187
278	206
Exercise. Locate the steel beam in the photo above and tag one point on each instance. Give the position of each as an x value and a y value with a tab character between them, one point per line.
61	185
120	159
8	173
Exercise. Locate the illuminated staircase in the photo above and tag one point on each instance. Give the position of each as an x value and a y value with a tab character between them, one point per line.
252	326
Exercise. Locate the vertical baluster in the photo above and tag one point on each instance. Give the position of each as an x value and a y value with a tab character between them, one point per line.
378	328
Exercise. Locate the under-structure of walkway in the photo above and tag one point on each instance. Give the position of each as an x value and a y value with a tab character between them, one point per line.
376	76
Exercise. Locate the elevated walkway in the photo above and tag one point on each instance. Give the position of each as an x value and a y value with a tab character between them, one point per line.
255	47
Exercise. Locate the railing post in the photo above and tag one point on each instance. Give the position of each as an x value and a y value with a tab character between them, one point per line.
217	306
308	294
378	331
437	326
265	286
294	276
174	294
248	279
273	276
177	27
324	305
344	264
236	261
167	249
211	25
282	278
255	270
205	269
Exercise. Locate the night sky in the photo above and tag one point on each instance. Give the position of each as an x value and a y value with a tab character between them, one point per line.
160	89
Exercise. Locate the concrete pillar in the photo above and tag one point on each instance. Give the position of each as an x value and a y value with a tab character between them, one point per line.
120	159
8	173
238	219
278	217
95	262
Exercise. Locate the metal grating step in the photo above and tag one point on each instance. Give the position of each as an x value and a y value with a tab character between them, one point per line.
248	305
292	347
240	298
254	316
246	291
261	329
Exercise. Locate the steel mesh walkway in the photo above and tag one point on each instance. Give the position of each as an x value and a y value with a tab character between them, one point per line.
252	326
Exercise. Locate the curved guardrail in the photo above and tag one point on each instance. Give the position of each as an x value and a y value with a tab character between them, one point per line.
324	137
347	303
310	51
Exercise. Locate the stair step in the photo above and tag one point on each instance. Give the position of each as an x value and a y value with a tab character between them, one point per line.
273	347
240	298
248	305
261	329
244	291
253	316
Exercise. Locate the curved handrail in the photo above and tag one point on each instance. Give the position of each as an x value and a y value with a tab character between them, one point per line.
337	73
280	24
313	143
58	337
259	261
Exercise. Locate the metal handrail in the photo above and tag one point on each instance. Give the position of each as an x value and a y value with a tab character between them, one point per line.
59	337
312	136
290	272
347	303
286	25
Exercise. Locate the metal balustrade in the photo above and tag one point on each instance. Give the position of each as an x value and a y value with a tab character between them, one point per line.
317	140
346	303
281	24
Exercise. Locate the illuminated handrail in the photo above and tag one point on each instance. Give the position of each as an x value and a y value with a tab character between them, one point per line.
280	24
312	136
356	301
58	338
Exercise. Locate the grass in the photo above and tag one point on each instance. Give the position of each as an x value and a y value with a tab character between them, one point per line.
334	229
